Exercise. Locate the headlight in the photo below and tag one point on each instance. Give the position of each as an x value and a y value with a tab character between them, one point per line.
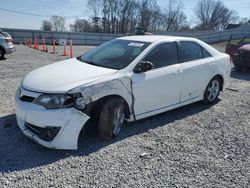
56	101
53	101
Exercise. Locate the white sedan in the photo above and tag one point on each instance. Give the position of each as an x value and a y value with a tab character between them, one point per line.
126	79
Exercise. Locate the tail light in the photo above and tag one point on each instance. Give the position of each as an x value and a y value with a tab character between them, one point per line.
9	40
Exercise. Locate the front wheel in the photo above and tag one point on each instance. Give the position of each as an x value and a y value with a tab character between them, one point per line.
212	91
111	119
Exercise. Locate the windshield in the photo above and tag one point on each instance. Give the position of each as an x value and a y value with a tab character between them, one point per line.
115	54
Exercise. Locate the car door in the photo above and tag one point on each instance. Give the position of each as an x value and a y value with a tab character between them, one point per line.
198	67
159	88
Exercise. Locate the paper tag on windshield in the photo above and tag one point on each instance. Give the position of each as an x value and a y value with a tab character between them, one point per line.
135	44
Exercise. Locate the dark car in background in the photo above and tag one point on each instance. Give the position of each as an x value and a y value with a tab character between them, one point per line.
239	53
241	58
232	48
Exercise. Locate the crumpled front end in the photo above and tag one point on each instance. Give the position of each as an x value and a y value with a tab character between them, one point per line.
118	86
59	128
54	128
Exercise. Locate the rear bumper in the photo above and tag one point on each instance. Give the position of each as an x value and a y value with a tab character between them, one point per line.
10	49
69	122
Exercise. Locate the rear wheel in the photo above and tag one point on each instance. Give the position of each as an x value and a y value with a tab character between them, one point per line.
111	119
1	53
212	91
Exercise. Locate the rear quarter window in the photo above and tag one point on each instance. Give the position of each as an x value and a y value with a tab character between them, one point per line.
205	53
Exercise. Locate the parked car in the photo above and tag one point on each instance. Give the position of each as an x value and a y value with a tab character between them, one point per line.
126	79
242	58
6	44
232	48
7	34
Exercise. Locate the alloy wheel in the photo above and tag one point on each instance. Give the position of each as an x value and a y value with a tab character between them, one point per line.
118	120
213	90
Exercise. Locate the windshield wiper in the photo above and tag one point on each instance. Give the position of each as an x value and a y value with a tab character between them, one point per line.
89	62
86	61
92	63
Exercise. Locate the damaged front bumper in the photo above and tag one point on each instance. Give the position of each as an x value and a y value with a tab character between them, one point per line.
57	128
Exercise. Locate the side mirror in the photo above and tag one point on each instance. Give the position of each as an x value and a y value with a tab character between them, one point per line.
143	66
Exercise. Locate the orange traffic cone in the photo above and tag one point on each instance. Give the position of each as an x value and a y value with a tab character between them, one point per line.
53	46
46	49
71	48
34	44
37	47
43	44
65	53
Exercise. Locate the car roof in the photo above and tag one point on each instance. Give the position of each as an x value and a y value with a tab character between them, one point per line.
155	38
166	38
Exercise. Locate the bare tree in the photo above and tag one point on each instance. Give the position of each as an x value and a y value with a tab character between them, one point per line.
244	20
148	8
110	15
96	21
95	7
80	25
128	15
46	25
174	17
122	16
213	14
58	23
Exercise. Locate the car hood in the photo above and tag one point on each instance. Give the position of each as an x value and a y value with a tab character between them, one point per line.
64	76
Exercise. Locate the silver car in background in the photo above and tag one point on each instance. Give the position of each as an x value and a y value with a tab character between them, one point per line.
6	44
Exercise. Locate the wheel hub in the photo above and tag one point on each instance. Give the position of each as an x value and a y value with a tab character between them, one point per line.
213	90
118	120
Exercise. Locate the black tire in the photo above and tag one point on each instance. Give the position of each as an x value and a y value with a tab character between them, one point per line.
107	128
2	52
212	91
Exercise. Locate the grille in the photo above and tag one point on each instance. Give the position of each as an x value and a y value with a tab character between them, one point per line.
46	134
33	128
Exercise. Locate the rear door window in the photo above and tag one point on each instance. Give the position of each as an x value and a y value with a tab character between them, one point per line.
190	51
163	55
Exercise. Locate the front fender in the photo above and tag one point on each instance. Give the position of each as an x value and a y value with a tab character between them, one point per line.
118	86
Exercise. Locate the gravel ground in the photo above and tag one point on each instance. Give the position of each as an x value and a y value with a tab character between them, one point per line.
193	146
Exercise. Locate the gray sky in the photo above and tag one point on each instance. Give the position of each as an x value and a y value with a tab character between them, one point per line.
77	8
